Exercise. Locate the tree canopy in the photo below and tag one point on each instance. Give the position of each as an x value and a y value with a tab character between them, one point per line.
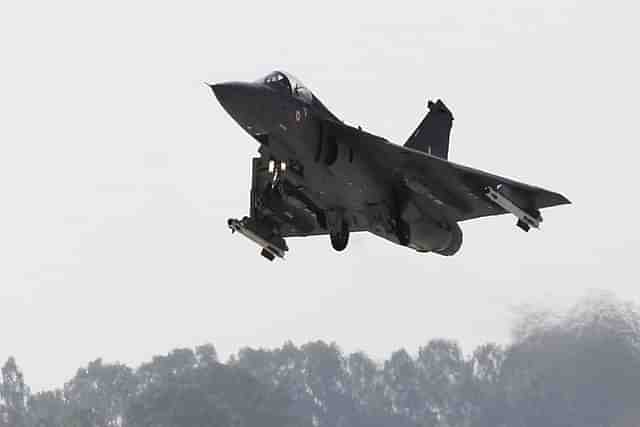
578	368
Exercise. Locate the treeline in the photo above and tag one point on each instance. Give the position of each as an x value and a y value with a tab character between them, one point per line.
581	368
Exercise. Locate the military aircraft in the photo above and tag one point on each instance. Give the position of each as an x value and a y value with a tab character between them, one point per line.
316	175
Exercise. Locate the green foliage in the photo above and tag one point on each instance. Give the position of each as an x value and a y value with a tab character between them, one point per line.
100	393
581	368
13	394
48	409
192	389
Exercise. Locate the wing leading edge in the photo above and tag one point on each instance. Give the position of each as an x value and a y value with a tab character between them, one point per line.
459	189
466	189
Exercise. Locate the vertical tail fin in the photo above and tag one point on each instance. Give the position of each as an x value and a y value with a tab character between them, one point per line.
432	134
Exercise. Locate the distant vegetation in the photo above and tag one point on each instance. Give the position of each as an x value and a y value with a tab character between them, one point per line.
581	368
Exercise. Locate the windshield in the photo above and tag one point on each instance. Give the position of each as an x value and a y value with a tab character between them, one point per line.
287	83
278	81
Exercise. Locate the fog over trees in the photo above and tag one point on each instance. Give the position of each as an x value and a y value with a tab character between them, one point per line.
578	368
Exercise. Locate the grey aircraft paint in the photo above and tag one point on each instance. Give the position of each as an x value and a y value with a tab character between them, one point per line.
317	175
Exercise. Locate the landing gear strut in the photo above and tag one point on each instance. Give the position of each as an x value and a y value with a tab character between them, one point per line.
403	232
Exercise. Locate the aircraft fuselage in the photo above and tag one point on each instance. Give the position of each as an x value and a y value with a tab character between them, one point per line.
317	175
336	175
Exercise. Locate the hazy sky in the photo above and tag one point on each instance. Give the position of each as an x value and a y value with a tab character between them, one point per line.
119	169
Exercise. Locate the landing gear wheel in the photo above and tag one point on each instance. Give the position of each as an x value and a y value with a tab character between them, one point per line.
340	239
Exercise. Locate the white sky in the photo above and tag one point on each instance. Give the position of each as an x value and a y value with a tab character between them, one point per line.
118	170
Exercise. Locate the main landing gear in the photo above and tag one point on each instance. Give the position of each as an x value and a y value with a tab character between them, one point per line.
338	230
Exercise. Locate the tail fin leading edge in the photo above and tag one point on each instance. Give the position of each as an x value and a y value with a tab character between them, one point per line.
432	134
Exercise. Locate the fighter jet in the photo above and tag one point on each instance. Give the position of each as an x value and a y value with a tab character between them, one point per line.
317	175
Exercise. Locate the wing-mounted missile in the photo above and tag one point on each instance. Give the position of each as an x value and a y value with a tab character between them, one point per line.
272	245
501	196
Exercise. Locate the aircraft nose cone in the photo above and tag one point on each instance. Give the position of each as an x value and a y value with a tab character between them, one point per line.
243	101
235	97
233	91
222	91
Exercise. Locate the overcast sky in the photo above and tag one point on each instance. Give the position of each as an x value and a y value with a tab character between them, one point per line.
119	169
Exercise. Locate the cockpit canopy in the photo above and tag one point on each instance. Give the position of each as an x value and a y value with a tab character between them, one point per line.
290	85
